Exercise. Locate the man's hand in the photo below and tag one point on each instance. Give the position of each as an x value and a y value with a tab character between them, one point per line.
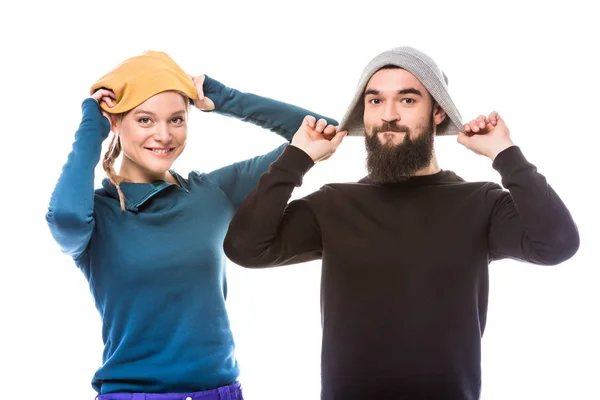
487	136
202	102
317	139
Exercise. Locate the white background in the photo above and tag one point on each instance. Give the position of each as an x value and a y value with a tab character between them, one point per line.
535	64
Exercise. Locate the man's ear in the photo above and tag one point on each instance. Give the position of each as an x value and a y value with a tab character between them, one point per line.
439	115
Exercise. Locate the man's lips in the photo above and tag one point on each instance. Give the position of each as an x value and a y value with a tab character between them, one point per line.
390	132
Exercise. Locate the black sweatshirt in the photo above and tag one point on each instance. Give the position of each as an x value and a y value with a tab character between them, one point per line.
404	285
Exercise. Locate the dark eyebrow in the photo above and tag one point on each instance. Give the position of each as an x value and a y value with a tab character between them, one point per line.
403	91
410	91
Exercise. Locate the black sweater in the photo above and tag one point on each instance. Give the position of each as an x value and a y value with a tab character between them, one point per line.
404	286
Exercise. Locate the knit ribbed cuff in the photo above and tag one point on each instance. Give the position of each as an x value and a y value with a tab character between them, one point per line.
509	160
93	113
216	91
90	102
296	162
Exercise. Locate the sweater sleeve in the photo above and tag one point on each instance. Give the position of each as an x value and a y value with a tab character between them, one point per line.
529	222
238	179
266	231
70	215
282	118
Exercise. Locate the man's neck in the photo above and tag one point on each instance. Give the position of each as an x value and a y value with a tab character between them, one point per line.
432	168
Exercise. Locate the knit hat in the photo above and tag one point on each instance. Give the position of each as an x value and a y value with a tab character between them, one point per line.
137	79
427	72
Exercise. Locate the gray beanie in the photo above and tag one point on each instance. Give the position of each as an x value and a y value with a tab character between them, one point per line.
427	72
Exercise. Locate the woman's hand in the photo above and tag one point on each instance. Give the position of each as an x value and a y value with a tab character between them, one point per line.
202	102
106	96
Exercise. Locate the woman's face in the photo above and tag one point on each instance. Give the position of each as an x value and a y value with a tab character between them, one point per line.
152	135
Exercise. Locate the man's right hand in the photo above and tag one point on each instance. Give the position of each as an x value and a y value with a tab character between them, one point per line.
317	139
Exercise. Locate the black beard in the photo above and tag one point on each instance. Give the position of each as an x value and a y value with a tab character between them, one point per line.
392	164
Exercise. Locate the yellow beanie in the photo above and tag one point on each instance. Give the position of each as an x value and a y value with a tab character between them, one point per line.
137	79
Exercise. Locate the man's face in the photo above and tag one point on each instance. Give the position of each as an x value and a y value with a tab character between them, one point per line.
400	119
396	103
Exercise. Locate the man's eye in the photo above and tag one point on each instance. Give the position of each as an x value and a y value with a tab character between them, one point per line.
375	101
408	101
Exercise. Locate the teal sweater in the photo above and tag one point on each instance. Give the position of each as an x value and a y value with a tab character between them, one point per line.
157	270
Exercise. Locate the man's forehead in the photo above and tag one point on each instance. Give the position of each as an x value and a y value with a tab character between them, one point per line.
393	79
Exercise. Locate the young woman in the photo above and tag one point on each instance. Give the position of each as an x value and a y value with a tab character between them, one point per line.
150	241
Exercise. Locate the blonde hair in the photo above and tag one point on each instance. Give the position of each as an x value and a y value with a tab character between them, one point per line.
114	150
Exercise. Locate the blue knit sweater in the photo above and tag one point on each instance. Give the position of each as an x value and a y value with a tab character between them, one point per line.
157	270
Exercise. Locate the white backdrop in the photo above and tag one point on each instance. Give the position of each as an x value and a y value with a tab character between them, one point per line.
535	64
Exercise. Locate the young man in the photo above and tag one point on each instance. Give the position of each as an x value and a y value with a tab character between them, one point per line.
405	250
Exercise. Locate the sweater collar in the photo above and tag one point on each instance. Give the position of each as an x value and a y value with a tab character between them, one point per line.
137	194
439	178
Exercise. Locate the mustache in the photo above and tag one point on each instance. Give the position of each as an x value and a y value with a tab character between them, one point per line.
391	127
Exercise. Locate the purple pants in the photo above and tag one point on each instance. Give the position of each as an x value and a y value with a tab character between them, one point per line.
230	392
